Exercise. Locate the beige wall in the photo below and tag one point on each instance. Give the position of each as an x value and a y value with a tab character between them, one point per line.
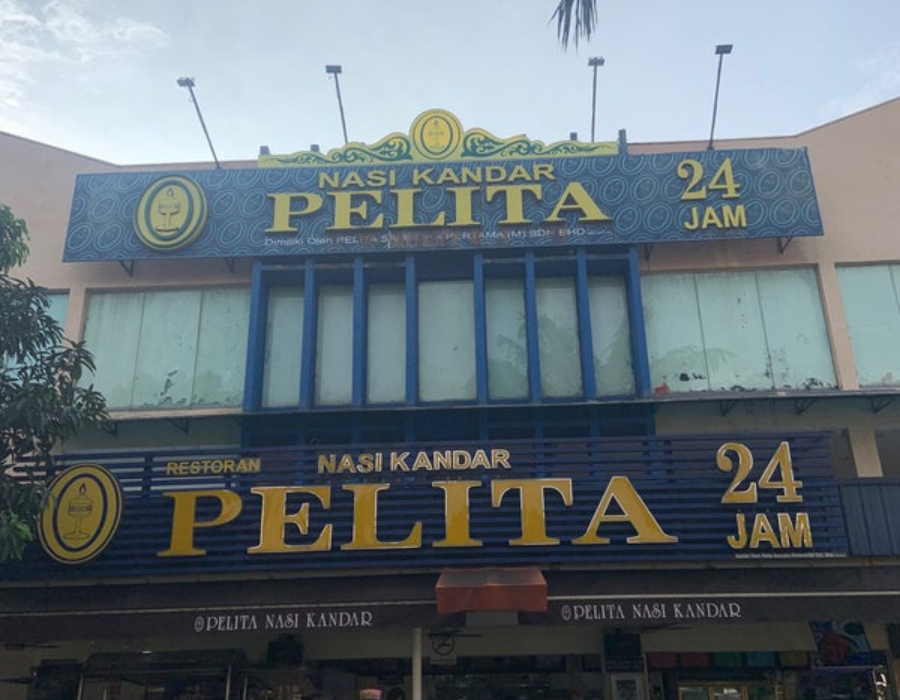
38	187
856	167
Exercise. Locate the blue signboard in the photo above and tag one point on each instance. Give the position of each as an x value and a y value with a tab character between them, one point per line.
605	500
461	204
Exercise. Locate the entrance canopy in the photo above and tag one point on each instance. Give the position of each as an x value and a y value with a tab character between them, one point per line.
491	589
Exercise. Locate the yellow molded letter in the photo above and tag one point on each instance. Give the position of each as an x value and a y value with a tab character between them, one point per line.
534	522
634	511
184	518
273	520
365	520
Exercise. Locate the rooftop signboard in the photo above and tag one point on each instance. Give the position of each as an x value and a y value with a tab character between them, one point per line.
441	187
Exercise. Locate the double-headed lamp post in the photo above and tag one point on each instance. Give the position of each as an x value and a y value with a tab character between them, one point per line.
594	63
722	50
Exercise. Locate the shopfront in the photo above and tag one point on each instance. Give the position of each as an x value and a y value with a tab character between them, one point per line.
512	569
384	427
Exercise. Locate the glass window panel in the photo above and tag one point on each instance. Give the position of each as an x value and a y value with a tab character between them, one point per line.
446	341
674	336
558	345
334	346
112	333
873	318
799	352
507	348
58	307
386	346
222	348
610	335
168	349
284	344
733	331
751	330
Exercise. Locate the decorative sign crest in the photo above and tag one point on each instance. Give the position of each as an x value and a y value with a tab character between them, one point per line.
437	135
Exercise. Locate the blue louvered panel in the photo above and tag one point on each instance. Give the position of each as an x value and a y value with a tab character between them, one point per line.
676	477
871	507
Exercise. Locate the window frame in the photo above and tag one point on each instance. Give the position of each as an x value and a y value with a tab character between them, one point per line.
413	268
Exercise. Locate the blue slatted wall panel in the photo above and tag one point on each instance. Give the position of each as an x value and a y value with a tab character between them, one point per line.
676	477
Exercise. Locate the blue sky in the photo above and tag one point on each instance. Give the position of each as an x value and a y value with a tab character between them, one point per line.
99	76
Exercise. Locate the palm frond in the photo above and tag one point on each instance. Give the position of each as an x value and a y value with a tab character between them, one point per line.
575	19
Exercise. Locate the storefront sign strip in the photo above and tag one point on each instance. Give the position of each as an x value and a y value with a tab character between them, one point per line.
215	621
655	609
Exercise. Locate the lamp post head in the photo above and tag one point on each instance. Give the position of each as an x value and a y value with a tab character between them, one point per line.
596	61
186	82
333	69
723	49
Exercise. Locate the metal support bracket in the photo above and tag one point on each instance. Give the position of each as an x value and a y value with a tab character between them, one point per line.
783	243
726	406
647	250
128	266
802	405
229	263
879	403
183	424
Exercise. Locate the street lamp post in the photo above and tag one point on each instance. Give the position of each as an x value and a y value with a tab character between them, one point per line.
721	51
335	70
189	84
594	63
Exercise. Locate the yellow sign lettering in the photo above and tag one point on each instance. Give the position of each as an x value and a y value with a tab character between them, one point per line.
274	519
365	510
282	211
634	511
184	518
531	506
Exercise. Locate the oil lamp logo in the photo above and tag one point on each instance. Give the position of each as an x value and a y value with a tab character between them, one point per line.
83	515
437	134
171	213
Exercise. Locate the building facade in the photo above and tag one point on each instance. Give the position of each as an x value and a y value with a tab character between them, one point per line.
458	416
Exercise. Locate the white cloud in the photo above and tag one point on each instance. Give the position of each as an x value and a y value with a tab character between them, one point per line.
880	74
60	32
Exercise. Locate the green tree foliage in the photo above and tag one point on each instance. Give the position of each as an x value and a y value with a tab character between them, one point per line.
41	402
575	20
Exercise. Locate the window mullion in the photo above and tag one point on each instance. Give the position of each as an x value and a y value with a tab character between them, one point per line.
640	361
360	325
585	336
481	378
256	350
412	332
531	326
310	323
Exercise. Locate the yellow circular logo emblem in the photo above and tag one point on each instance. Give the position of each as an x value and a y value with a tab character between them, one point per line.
171	213
83	515
436	134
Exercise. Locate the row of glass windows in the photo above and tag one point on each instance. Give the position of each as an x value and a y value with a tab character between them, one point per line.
446	343
728	331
